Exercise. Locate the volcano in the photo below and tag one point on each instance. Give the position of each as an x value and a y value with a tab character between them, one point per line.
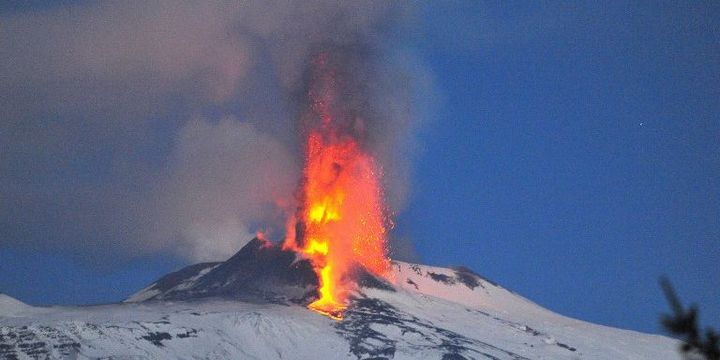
254	306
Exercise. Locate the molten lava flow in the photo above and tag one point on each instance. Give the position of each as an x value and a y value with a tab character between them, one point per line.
342	212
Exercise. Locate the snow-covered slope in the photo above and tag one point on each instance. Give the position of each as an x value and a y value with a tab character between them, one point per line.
427	313
12	307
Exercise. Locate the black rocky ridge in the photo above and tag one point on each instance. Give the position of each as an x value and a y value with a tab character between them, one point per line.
260	271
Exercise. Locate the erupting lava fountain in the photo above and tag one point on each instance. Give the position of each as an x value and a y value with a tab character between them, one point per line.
341	222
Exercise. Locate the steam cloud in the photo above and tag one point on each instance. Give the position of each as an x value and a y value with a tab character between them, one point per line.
136	127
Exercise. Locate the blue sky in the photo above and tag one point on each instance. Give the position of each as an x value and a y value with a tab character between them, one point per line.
571	153
576	155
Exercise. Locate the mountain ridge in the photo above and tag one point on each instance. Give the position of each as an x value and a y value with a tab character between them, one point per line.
253	306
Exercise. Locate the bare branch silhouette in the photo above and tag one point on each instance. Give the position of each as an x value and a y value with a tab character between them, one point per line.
684	324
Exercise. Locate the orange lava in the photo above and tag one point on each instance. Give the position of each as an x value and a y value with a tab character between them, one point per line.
342	210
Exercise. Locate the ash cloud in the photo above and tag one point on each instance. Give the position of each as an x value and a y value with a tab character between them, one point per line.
129	128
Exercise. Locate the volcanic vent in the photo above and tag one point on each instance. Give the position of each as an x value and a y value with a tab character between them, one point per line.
337	234
340	224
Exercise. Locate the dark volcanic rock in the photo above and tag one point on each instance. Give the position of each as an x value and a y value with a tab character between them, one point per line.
467	277
157	337
171	280
366	316
368	280
262	267
447	280
260	270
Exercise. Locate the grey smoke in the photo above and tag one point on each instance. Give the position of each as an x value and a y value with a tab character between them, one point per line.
129	128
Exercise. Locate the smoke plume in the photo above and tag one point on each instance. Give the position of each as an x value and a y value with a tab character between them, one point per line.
137	127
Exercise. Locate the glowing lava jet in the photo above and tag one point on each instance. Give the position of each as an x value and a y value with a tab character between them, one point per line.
340	224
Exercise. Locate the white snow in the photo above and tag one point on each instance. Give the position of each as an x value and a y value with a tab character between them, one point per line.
488	321
12	307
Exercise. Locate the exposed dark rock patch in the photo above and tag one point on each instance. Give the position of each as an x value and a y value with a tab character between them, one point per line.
565	346
416	268
187	334
532	331
447	280
356	327
468	277
25	342
366	343
367	280
157	337
409	281
453	356
466	270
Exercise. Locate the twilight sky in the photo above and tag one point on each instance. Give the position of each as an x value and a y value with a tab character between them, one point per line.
570	152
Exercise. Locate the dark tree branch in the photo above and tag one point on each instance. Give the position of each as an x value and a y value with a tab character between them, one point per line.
684	324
